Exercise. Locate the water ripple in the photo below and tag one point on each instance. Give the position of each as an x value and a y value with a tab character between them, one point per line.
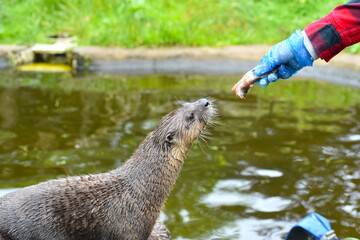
255	201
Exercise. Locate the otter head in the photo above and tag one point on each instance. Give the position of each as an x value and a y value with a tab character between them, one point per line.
178	129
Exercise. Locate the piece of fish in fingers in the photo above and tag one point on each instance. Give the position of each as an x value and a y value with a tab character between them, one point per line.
247	81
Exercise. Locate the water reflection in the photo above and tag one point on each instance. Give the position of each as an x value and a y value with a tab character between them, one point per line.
251	228
6	191
251	171
274	158
255	201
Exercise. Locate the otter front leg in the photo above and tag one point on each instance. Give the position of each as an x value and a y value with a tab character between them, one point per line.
160	232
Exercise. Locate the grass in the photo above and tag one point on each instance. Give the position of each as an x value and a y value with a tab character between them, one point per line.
132	23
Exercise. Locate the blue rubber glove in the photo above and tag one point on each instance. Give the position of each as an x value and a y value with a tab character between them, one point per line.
291	55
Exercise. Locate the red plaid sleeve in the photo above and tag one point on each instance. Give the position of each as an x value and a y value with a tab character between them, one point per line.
336	31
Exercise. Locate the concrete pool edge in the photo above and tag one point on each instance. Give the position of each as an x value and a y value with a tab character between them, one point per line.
343	69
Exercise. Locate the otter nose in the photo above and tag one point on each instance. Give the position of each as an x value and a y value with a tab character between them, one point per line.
204	102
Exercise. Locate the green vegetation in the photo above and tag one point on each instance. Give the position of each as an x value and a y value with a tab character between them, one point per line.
131	23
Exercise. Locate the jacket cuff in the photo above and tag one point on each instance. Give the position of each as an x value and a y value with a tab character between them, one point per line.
309	46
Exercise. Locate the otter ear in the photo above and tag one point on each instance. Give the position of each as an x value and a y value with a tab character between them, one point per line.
170	138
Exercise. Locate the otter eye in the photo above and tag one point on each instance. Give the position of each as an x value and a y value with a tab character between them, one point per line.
191	117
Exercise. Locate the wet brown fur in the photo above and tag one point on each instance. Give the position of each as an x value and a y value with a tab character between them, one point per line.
123	204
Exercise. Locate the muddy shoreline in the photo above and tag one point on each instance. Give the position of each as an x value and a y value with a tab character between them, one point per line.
343	69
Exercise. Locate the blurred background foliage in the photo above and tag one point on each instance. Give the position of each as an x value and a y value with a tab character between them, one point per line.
133	23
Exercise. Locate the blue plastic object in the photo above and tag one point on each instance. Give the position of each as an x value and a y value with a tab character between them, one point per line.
313	226
291	55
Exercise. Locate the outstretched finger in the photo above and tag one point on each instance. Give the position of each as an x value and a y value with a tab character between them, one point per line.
264	82
273	77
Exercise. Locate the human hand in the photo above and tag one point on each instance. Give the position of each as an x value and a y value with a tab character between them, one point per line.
291	55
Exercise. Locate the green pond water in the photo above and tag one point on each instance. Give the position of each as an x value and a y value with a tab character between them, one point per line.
284	152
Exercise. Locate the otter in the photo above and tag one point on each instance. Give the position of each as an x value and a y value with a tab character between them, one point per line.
123	204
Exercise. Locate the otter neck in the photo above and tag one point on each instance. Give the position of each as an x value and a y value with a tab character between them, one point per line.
153	170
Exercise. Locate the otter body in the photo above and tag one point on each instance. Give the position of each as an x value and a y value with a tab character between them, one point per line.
123	204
